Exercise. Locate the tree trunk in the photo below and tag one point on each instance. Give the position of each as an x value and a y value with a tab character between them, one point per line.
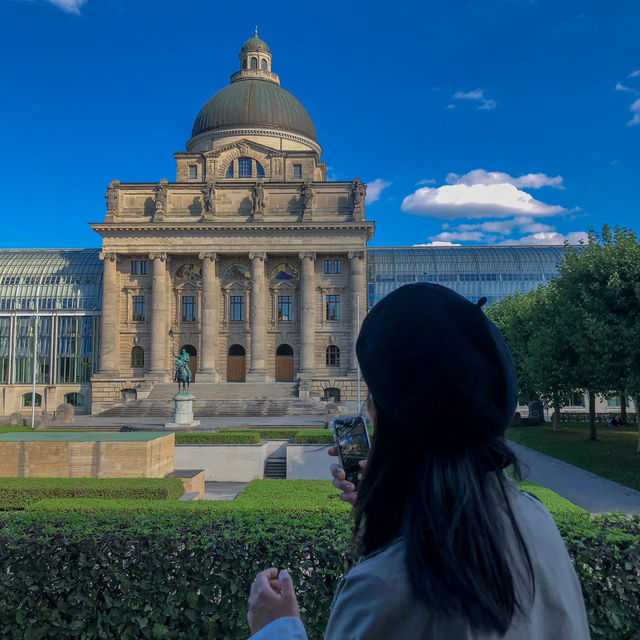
592	416
623	407
556	412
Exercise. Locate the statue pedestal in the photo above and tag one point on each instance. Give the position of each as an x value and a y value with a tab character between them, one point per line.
183	412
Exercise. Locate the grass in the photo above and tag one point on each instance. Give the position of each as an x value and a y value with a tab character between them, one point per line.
612	456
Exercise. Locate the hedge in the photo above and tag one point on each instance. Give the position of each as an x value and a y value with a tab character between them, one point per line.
244	437
185	573
267	434
314	436
13	429
18	493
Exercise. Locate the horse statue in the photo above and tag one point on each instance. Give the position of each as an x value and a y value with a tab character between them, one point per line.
182	372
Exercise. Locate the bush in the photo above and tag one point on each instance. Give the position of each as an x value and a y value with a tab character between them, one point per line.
183	570
238	437
18	493
267	434
13	429
314	436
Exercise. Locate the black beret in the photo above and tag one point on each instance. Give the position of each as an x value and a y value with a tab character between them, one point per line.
435	364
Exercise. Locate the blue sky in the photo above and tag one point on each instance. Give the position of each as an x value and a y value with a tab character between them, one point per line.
478	122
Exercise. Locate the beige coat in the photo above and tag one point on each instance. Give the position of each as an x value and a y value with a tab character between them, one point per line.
374	601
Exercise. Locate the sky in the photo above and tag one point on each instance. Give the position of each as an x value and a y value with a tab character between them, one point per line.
475	123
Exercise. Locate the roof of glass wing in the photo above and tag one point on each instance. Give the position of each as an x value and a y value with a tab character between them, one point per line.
473	272
56	278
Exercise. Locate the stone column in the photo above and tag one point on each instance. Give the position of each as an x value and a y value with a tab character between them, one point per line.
307	315
209	320
159	317
109	333
258	366
358	288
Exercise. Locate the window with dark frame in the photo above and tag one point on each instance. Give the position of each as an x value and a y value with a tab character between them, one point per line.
229	173
337	266
327	266
236	308
139	308
285	308
333	307
193	172
297	171
189	309
144	267
333	356
245	168
137	357
135	267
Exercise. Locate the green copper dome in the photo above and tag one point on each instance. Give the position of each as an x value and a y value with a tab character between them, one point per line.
253	102
255	44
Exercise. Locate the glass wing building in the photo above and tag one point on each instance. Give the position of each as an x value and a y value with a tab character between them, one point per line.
63	289
473	272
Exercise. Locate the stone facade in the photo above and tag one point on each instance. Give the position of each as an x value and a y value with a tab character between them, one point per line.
251	260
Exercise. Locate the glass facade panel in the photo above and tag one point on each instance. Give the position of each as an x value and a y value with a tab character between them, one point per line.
77	348
25	335
5	333
473	272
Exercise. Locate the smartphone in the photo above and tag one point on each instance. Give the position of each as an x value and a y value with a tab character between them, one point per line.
352	439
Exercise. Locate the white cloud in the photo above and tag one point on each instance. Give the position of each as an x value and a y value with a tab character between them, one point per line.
621	87
426	181
529	180
634	74
70	6
438	243
635	109
476	201
477	95
374	189
449	236
554	237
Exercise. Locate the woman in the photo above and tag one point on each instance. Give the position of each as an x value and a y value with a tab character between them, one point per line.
451	548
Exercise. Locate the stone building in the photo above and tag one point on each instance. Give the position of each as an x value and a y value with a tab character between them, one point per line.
251	260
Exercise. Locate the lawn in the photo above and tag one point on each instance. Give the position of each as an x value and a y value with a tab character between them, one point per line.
612	456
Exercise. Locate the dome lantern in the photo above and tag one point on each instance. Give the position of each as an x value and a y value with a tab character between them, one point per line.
255	55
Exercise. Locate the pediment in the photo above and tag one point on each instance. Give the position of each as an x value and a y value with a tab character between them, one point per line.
240	145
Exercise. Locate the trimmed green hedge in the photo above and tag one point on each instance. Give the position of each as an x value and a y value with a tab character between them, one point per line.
185	572
238	437
18	493
314	436
266	434
10	429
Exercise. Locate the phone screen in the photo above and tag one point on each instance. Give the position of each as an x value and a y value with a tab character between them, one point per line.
353	443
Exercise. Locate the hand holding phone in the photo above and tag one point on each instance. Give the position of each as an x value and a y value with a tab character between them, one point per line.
352	442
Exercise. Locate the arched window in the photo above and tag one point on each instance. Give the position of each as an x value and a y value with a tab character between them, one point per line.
137	357
244	63
236	350
332	393
229	173
263	65
26	400
76	399
333	356
259	170
284	350
244	168
254	63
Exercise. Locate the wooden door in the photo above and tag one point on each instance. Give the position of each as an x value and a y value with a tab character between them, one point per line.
235	369
284	368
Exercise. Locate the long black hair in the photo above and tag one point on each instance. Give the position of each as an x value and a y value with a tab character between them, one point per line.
445	507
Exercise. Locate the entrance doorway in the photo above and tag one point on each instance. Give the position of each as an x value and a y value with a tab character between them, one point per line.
284	363
193	359
236	364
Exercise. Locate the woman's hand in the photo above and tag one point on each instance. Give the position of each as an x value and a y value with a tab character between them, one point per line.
272	596
349	493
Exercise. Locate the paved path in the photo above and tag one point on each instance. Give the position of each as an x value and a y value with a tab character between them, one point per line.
206	423
589	491
222	490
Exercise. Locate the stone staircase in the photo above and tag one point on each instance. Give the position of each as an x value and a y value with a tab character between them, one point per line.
223	399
